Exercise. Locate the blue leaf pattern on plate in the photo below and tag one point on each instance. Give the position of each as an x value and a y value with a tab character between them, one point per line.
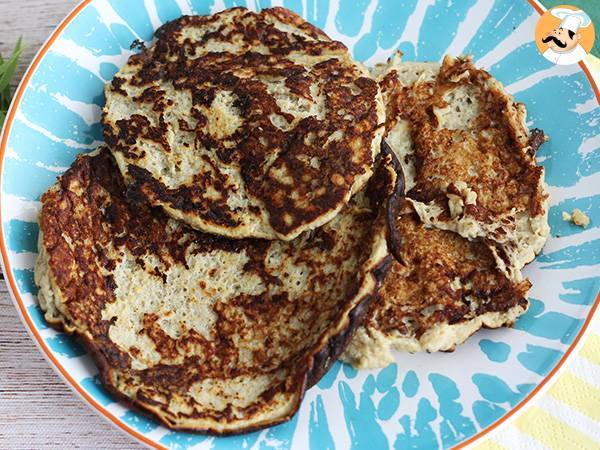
65	345
410	385
318	428
455	426
37	316
495	351
549	325
424	436
139	422
360	416
94	387
539	359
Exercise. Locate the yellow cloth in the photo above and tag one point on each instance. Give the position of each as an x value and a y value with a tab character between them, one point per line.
594	64
567	415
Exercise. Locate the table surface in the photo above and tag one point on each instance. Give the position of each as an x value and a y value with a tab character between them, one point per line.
37	409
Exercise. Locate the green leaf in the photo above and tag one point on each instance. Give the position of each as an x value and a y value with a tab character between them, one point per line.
4	100
7	69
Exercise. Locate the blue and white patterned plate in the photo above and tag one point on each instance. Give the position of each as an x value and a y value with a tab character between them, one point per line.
424	400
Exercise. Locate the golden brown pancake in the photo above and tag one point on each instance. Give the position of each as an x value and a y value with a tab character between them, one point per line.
475	212
467	156
245	124
440	289
205	333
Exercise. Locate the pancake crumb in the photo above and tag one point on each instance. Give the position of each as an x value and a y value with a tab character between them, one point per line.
578	217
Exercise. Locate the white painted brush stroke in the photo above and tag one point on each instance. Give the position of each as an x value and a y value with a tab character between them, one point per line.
589	145
556	244
109	16
586	107
521	35
25	260
68	142
55	169
11	153
584	187
17	208
531	80
411	33
185	7
153	13
468	28
85	59
90	113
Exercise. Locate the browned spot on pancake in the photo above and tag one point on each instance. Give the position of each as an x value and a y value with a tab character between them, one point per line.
117	84
184	200
417	293
536	139
491	157
164	344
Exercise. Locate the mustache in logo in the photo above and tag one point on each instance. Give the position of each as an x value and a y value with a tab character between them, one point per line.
558	42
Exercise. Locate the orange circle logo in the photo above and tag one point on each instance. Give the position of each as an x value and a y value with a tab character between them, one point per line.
564	35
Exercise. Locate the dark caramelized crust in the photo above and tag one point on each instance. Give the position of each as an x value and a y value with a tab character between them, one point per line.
441	278
275	314
281	124
491	154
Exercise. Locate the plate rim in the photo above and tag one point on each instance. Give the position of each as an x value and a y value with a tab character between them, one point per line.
103	411
13	291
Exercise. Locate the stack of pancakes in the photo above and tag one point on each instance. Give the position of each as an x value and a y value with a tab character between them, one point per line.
264	203
474	211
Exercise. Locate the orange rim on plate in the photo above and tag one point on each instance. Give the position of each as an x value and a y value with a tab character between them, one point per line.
102	410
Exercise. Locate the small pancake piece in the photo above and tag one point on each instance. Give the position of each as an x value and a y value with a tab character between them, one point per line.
441	290
467	156
206	333
245	124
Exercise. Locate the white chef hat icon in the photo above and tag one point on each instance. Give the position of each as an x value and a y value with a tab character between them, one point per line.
571	20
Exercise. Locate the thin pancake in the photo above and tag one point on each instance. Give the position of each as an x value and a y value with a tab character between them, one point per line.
245	124
442	289
468	156
475	210
206	333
